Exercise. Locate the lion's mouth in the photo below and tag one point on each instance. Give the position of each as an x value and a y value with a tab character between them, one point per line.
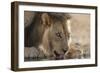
58	56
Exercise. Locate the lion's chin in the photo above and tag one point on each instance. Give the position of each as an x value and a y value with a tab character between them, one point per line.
58	56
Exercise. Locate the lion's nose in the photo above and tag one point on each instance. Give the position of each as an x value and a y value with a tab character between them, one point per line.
65	50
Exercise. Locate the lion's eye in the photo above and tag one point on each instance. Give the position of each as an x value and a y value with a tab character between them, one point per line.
58	34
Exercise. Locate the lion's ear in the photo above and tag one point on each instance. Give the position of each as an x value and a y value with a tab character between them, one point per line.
45	19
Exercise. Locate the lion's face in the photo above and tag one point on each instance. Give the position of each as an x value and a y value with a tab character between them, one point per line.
55	37
58	39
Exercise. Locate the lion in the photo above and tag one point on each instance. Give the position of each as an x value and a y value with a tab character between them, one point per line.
48	32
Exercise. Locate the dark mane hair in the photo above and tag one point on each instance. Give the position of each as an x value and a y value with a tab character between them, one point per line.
32	33
59	17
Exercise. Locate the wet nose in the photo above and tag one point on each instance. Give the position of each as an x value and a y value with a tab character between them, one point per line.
65	50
